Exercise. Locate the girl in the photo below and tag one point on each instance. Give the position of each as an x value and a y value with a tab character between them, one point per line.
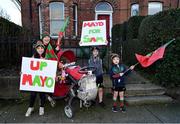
39	53
46	41
96	61
117	73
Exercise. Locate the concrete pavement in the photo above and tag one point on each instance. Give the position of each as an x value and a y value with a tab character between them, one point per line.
14	111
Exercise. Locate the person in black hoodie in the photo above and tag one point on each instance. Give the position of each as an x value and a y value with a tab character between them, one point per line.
117	75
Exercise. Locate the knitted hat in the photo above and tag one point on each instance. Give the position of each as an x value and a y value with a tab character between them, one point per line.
44	35
114	55
39	43
95	48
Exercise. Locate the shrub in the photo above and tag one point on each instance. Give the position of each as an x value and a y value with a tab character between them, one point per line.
155	31
133	26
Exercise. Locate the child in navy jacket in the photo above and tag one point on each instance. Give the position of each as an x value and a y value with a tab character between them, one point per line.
117	75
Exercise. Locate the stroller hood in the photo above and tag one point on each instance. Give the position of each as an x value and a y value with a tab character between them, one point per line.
68	54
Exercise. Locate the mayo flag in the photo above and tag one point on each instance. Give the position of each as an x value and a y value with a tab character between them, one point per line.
150	58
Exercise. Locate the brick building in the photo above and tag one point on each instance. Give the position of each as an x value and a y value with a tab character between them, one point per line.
48	15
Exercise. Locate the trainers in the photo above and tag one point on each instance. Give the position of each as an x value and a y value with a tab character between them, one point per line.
123	109
102	104
29	111
114	109
52	102
41	111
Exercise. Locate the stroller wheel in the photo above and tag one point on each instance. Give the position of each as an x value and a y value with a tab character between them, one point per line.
87	104
68	111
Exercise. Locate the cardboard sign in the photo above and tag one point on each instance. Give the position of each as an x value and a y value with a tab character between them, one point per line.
38	75
93	33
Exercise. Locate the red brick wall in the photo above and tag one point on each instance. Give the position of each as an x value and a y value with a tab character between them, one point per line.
86	11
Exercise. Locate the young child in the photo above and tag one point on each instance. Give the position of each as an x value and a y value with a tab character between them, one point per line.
96	61
39	53
117	73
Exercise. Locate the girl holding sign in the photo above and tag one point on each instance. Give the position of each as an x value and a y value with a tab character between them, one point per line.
39	53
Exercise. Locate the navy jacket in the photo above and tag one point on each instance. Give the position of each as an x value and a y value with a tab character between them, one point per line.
118	81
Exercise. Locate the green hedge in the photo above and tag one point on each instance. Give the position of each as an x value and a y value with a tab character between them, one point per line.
133	26
118	36
155	31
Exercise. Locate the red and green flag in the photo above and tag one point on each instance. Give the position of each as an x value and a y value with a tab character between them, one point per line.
50	54
61	32
152	57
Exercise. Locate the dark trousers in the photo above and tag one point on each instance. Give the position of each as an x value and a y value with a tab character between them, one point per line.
33	98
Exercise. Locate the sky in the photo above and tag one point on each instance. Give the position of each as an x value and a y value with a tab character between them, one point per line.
10	8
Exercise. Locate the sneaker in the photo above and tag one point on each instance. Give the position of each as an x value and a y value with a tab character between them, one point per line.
29	111
52	102
41	111
102	104
123	109
114	109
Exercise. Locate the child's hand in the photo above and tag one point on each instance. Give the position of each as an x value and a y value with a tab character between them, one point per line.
57	48
121	74
132	67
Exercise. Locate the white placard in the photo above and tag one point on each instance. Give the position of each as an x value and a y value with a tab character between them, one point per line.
93	33
38	75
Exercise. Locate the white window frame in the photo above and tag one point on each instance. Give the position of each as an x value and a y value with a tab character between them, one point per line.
55	19
75	20
134	6
105	13
40	21
151	3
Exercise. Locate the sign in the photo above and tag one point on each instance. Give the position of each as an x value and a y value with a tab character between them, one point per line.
38	75
93	33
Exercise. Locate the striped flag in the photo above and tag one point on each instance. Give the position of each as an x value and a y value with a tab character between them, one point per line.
50	54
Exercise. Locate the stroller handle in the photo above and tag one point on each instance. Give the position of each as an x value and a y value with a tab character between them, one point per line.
69	64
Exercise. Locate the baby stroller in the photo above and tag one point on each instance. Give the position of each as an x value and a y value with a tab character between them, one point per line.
81	84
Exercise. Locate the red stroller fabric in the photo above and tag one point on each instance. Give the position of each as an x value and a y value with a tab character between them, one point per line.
61	90
74	72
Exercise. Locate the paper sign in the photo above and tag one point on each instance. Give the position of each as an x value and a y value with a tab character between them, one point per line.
38	75
93	33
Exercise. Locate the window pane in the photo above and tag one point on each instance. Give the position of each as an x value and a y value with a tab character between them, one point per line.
56	10
135	10
154	7
55	27
103	6
56	17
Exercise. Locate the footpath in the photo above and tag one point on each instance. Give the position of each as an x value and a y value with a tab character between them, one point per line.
147	103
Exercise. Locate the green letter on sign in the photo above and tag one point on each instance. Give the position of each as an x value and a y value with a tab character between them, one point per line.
43	64
49	82
37	81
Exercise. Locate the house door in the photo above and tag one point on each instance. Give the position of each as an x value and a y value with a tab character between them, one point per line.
106	17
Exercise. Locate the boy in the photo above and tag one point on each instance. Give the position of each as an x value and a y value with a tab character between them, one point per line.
117	73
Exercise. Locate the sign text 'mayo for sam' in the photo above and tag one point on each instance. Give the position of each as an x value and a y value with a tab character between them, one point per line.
38	75
93	33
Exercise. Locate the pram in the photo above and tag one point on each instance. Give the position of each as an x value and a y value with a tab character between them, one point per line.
81	84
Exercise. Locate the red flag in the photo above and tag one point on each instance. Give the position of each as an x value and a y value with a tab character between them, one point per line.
150	58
